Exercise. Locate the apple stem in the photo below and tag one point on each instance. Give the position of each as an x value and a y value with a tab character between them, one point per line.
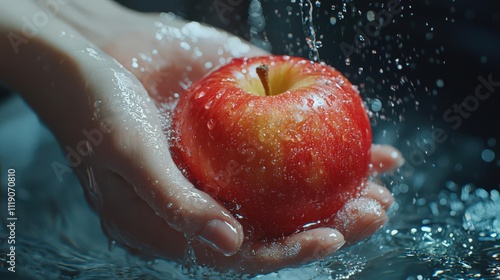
263	72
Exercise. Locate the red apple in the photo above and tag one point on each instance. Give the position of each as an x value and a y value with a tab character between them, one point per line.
281	141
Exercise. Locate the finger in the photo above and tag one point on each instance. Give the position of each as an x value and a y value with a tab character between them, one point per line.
380	194
128	220
385	158
359	219
183	52
140	153
298	249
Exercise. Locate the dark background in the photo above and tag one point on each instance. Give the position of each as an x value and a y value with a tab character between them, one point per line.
442	47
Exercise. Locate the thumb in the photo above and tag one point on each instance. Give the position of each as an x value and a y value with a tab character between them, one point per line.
142	157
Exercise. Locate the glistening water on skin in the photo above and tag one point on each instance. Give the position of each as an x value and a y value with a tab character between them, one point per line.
452	232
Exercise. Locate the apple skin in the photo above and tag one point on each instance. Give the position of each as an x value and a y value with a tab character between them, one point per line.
281	163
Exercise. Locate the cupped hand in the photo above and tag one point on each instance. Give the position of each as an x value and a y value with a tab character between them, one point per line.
173	54
144	201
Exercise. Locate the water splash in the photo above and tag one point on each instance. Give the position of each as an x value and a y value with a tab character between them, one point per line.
306	13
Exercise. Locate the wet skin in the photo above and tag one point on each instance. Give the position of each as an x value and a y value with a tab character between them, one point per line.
80	68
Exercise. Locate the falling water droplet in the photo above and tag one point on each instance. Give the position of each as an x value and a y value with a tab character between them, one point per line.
376	105
111	245
306	10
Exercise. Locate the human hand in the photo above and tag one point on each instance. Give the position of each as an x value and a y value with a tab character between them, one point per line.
129	176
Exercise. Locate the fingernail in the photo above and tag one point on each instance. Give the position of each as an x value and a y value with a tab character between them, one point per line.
372	228
221	236
331	243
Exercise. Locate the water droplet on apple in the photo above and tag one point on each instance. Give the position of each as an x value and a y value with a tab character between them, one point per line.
299	116
262	135
211	124
209	104
199	95
219	94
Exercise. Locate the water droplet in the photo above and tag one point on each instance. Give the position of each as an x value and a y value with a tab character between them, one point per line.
376	105
209	104
262	135
306	12
333	20
488	155
439	83
199	95
211	124
370	15
111	245
185	46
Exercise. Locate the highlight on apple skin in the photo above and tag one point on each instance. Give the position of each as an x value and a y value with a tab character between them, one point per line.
280	141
